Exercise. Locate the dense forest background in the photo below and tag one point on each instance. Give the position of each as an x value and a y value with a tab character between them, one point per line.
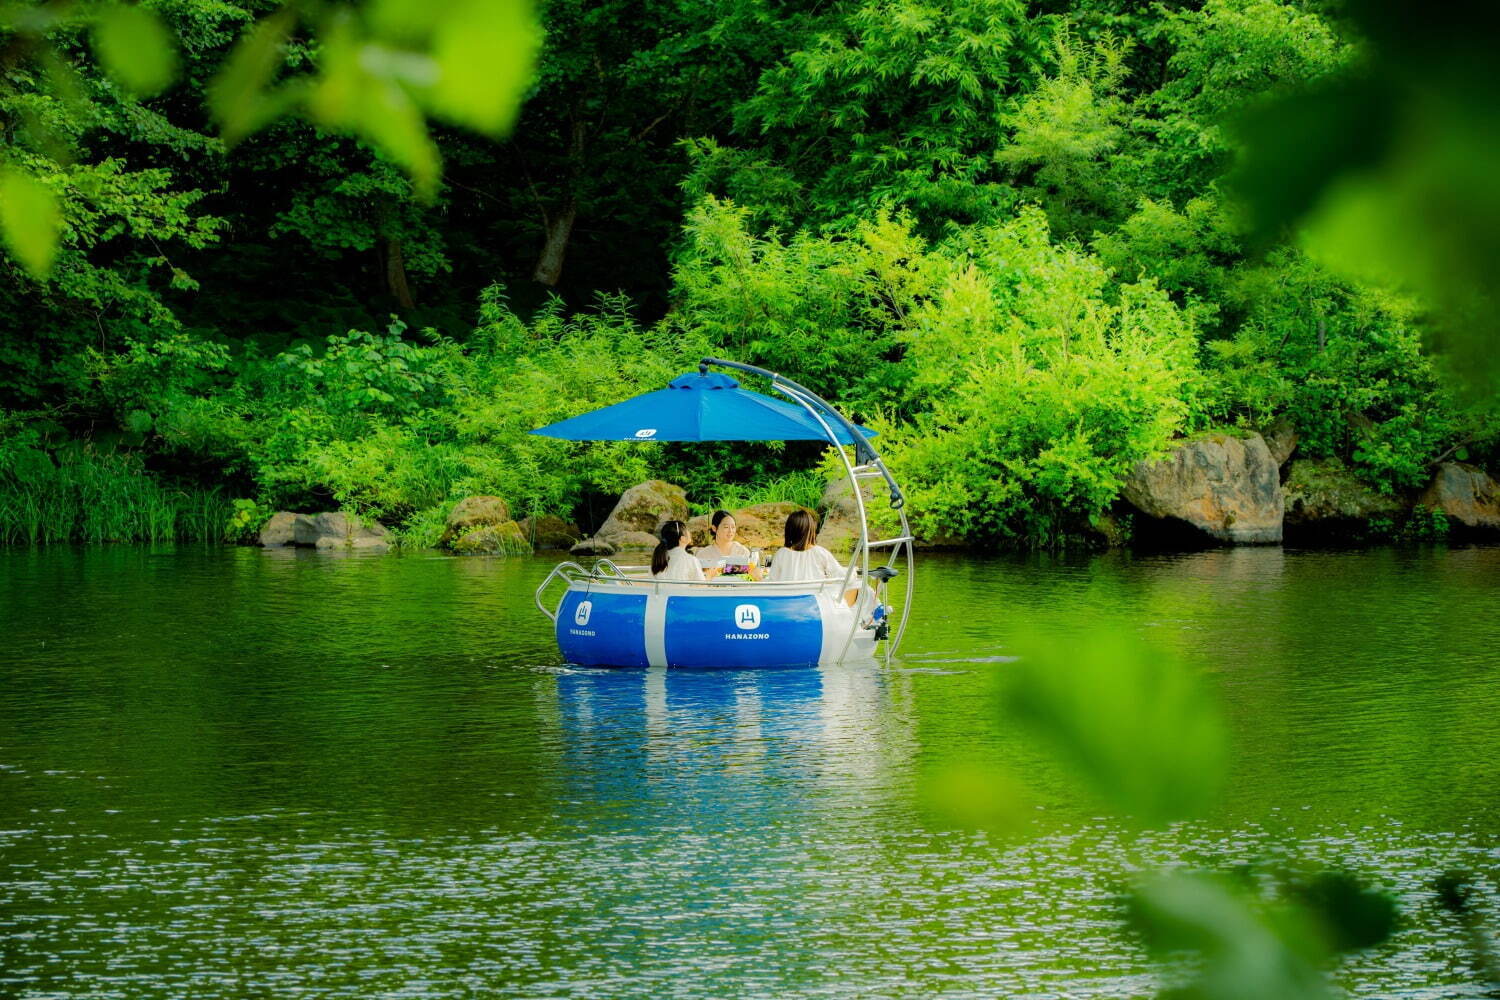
1028	242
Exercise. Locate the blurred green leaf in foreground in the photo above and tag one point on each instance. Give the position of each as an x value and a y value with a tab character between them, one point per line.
30	218
1390	168
135	48
1135	722
1253	950
380	73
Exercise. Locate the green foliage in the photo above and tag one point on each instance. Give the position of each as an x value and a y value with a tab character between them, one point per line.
75	493
825	307
1136	724
1346	364
895	104
400	431
1043	392
1250	948
803	487
1001	234
246	519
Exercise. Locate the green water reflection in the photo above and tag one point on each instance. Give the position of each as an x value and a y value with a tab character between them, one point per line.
240	773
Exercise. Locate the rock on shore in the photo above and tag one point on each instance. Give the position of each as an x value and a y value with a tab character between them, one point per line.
1466	495
549	532
482	525
1325	502
1219	487
635	519
328	530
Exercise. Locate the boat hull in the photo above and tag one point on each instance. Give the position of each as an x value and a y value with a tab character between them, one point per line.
679	625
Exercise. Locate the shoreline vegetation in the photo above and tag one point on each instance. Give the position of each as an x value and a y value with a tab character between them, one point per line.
1008	239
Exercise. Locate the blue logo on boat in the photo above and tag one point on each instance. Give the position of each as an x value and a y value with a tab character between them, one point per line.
709	631
599	628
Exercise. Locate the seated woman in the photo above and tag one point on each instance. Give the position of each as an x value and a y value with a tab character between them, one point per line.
671	559
803	558
724	551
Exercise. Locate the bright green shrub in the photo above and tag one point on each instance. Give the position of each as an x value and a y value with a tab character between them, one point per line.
1045	385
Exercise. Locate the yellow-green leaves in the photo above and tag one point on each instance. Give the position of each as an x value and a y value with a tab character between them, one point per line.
484	50
381	75
31	220
367	89
1251	947
1136	723
135	48
240	95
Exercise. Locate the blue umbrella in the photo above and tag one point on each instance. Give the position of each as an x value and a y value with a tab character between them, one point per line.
698	406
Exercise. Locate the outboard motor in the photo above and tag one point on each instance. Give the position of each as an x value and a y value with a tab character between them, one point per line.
880	619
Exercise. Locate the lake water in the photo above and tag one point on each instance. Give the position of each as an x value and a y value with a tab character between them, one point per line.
236	773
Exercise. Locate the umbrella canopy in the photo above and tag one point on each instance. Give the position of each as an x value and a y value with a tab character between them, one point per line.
697	407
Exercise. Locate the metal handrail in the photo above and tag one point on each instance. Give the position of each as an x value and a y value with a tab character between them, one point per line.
561	569
606	563
819	583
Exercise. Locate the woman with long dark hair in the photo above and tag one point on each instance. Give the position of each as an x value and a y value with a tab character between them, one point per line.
803	558
671	559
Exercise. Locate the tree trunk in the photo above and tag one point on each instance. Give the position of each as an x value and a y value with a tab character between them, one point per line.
559	228
395	274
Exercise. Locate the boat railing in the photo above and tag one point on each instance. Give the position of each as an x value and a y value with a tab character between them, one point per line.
608	575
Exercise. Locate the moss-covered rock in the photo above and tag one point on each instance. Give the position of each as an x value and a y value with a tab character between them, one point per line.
504	538
472	513
1326	502
550	532
634	521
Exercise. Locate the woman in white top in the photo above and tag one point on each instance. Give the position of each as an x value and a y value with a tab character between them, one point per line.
803	558
724	550
671	559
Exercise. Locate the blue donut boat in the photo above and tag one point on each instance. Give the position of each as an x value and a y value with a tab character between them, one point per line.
609	615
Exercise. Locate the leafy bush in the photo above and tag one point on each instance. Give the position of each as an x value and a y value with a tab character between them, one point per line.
1043	388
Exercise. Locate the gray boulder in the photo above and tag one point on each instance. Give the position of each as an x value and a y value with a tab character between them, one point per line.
1222	487
1281	439
337	530
593	547
1466	495
280	530
635	519
329	530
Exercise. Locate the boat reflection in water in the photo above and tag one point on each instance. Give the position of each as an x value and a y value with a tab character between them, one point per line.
694	747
